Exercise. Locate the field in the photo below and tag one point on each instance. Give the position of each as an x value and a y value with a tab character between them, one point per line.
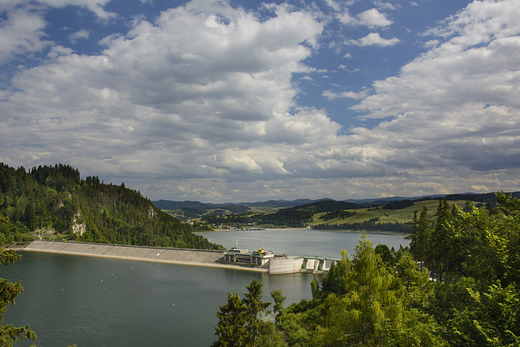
404	215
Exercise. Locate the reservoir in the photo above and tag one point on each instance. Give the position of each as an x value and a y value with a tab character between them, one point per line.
92	301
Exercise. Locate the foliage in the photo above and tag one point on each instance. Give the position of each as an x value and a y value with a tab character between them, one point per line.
241	321
337	214
53	200
383	297
293	217
10	334
474	255
398	204
369	225
364	302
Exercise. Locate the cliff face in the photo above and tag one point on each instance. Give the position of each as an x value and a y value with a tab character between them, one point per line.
78	228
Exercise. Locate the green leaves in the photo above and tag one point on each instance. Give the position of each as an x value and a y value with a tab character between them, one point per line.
241	320
9	334
475	300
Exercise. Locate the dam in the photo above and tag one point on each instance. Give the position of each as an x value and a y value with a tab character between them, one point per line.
272	264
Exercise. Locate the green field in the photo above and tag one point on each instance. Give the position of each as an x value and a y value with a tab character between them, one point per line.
404	215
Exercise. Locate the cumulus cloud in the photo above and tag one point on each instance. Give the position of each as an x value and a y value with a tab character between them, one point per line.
373	18
20	33
374	39
79	35
201	103
174	96
23	29
457	104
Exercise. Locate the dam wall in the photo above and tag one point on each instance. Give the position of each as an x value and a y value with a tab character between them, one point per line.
142	253
275	265
289	265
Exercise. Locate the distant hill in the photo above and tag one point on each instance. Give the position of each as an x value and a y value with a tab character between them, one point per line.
392	214
53	202
293	217
195	209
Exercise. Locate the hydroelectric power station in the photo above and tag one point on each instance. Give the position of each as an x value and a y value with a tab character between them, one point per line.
240	259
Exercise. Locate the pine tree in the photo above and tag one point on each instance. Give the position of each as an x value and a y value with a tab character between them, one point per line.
231	330
10	334
240	321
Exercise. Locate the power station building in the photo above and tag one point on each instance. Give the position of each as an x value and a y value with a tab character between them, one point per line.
244	256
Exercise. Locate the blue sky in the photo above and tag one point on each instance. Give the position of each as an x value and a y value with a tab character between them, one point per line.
227	101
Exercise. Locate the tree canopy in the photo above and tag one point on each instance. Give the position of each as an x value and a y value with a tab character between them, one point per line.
457	286
53	201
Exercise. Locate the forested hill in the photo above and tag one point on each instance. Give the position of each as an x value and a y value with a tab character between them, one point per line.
293	217
53	201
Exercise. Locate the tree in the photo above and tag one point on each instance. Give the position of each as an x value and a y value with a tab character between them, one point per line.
240	320
255	309
365	302
9	335
420	236
231	330
279	300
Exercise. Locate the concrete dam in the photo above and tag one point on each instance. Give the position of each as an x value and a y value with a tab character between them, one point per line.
272	265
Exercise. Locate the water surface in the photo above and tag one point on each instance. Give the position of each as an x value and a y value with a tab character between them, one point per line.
91	301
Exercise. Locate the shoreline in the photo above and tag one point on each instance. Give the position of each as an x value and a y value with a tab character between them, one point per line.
331	230
140	253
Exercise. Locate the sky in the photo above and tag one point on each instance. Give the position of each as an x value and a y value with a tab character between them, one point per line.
237	100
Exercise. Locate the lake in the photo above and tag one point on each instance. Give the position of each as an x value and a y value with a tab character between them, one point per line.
92	301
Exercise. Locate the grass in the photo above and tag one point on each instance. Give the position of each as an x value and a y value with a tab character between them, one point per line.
404	215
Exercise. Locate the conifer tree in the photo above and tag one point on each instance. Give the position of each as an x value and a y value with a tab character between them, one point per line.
240	320
231	330
10	334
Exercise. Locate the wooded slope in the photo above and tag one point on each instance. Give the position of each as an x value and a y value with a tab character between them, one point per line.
53	201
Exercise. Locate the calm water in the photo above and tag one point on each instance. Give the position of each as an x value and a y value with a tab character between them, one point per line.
301	241
109	302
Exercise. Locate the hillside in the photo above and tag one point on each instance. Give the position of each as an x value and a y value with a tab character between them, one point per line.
327	214
53	202
194	209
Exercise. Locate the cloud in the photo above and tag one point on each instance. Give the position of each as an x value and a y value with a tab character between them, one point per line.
79	35
387	5
20	33
23	29
456	106
373	18
191	95
330	95
345	18
374	39
202	103
333	4
96	6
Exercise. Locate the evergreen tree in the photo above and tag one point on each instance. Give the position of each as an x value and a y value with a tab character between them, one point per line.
231	330
9	334
241	322
420	236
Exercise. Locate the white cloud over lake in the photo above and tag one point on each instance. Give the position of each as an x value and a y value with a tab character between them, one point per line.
201	101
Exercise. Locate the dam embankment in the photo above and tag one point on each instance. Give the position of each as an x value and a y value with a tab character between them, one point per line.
140	253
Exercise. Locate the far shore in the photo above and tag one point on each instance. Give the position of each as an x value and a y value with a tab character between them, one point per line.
339	231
